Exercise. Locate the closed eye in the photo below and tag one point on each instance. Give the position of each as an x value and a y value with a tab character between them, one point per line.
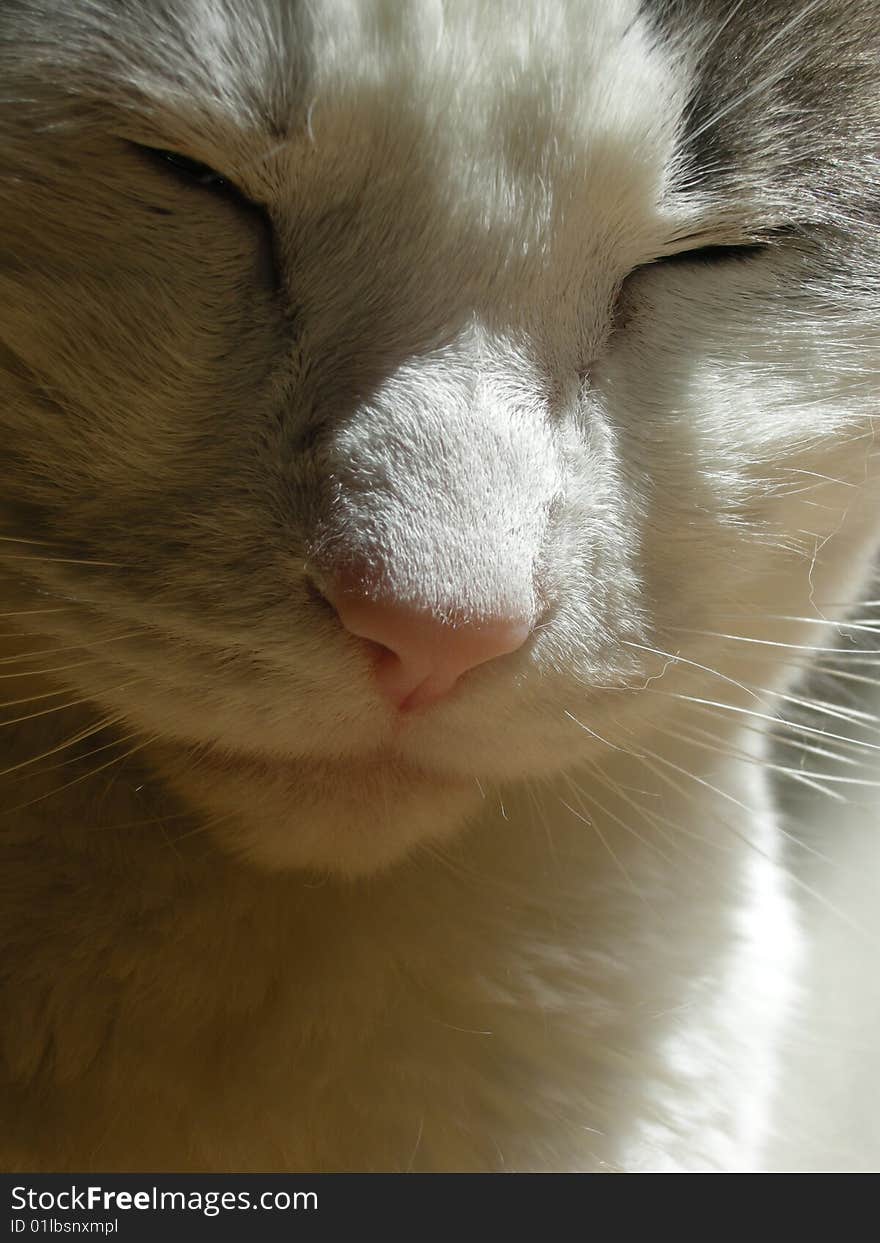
203	179
721	252
192	170
716	254
194	173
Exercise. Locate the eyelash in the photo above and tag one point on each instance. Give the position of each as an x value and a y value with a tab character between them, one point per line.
715	254
196	174
192	170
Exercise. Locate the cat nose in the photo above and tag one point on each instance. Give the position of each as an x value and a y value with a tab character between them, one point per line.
420	659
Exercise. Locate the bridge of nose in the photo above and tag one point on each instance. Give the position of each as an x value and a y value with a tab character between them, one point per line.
439	488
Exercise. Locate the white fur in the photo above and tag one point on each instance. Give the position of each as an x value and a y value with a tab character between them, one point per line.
543	925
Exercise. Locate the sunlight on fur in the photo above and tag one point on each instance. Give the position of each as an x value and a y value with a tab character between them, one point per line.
436	441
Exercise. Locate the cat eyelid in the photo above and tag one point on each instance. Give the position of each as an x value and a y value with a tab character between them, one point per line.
722	252
201	173
714	252
195	172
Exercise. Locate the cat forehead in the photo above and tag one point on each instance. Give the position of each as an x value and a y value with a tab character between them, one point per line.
517	121
564	73
751	109
266	57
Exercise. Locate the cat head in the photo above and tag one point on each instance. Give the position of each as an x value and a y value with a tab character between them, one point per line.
541	335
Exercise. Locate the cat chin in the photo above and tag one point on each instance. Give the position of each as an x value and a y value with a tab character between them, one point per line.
345	818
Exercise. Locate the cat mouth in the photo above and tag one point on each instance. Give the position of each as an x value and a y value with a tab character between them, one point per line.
379	763
345	815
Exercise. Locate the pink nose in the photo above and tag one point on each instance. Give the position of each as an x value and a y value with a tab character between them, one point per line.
420	658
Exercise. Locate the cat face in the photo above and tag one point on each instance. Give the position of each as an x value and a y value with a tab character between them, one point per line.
567	316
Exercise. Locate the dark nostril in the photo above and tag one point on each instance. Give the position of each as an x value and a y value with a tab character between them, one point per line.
419	659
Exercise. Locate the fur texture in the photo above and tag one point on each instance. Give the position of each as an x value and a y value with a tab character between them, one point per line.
439	328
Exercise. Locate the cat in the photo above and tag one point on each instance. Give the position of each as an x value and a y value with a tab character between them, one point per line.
433	438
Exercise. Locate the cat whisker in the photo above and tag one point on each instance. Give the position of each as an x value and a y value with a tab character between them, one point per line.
204	827
620	792
37	612
56	790
103	724
13	559
542	816
736	753
118	741
798	744
85	645
684	660
851	604
868	625
789	726
798	647
762	693
591	823
40	673
800	470
812	784
14	703
31	716
842	676
792	726
792	877
593	734
138	824
34	543
766	716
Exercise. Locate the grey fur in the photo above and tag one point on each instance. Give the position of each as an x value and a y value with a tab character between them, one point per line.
428	339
